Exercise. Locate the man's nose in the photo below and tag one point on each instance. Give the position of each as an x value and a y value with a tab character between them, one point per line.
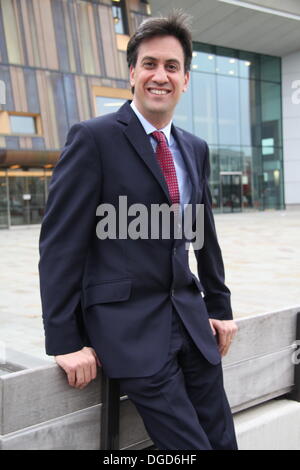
160	75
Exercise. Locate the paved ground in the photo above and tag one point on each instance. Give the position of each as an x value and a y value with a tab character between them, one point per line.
262	259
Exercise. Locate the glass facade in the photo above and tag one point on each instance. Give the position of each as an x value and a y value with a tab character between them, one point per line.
23	196
234	103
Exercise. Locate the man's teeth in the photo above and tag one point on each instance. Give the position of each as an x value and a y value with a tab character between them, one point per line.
159	92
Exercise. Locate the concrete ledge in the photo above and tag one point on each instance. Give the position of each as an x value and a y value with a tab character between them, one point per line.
292	207
271	426
40	411
79	431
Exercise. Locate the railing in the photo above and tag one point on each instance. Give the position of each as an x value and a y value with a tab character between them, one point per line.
41	411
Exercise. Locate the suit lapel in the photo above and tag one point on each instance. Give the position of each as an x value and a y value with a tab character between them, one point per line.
136	135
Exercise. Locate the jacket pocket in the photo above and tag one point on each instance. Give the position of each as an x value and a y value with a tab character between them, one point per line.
114	291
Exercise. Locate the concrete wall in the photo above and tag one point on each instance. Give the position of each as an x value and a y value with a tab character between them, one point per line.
291	127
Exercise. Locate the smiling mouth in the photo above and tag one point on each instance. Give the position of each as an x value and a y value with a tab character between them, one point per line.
156	91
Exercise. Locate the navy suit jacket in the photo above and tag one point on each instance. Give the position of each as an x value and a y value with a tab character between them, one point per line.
117	295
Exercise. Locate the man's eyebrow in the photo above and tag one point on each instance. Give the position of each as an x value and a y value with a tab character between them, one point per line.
153	58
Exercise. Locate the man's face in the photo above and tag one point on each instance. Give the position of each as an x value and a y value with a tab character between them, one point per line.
158	77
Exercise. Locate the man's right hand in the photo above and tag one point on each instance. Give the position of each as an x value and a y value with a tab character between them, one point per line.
80	366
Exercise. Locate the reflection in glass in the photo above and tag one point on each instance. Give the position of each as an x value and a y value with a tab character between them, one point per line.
106	105
22	124
205	106
228	110
183	116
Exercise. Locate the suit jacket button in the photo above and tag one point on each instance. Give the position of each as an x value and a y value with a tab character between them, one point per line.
174	251
172	292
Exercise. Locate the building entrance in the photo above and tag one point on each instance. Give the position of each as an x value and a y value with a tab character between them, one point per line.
231	191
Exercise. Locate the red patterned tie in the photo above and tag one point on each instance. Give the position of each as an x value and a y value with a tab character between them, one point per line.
165	160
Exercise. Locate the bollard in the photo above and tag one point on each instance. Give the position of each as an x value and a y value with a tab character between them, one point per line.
110	413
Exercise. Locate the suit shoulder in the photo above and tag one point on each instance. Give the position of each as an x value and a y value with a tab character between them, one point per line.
99	122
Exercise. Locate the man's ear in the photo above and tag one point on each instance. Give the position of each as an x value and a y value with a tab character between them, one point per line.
186	81
131	75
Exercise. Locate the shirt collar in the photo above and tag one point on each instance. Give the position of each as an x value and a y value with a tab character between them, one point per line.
149	128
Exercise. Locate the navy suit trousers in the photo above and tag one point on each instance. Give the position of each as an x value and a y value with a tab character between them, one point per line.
184	405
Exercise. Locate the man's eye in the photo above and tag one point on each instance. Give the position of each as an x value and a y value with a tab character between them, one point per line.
172	67
148	64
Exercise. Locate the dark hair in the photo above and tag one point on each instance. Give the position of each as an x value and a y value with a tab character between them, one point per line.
177	24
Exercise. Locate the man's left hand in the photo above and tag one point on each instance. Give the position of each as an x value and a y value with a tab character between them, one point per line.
226	330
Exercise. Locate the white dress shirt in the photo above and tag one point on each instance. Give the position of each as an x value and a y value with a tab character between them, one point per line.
184	182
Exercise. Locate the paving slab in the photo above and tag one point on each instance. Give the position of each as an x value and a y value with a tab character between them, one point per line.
261	252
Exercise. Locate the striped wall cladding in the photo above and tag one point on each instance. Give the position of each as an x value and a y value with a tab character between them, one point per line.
67	35
52	54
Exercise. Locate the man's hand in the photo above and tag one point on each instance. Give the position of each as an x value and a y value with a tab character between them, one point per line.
226	330
80	366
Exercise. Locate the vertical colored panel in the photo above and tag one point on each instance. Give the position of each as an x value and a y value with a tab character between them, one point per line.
13	44
60	34
71	99
31	91
51	110
92	30
83	99
75	42
12	142
34	34
123	65
25	142
38	143
16	88
99	40
21	29
109	41
45	14
59	106
3	49
83	32
19	90
40	41
70	44
27	33
47	112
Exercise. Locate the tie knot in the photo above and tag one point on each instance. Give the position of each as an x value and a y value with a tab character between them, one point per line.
159	136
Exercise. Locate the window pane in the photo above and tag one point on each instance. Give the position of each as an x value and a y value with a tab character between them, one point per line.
249	65
204	61
22	124
118	20
227	63
270	68
205	106
108	105
183	116
228	110
271	112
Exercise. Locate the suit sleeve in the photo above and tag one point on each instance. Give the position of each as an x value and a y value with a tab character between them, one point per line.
209	258
66	229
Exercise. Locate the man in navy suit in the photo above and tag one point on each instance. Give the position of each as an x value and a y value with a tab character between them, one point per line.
131	304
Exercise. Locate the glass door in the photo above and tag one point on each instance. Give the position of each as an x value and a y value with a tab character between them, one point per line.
27	196
231	191
4	202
